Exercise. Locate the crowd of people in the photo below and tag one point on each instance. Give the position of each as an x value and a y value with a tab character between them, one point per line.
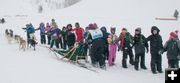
103	45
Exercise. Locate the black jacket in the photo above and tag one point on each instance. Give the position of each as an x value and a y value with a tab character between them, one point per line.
64	35
71	38
156	43
140	44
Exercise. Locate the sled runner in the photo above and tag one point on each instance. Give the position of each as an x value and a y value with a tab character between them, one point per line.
73	58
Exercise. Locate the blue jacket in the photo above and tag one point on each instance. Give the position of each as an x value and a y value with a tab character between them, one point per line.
30	29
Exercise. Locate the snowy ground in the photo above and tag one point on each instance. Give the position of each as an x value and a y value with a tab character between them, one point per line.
41	66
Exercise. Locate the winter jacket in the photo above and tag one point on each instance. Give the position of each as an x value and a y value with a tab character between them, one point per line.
54	24
126	41
172	47
71	38
86	37
55	33
64	34
155	41
105	35
47	29
42	29
114	39
140	44
30	29
79	34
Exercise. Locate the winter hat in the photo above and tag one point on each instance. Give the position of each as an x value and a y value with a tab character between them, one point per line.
173	35
113	28
124	29
52	20
154	28
42	24
103	29
27	25
91	26
69	27
77	24
138	29
86	28
95	25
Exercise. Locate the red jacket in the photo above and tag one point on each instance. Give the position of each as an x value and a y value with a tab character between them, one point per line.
79	34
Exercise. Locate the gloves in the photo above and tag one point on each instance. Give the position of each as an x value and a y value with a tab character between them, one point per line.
160	52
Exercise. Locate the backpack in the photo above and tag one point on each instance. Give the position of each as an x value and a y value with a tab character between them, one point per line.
139	47
173	47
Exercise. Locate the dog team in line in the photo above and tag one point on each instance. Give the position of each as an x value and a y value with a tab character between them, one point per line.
102	45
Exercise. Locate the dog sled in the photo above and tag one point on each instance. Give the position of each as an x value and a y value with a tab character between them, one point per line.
74	54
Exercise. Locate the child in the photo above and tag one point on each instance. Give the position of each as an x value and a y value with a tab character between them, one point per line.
172	46
47	31
155	46
126	46
112	40
42	33
140	45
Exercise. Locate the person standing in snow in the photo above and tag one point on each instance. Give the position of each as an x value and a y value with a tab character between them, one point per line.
26	30
79	33
97	47
155	46
140	46
105	36
86	42
113	43
64	37
126	46
30	31
53	23
42	33
172	46
47	31
71	38
55	36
